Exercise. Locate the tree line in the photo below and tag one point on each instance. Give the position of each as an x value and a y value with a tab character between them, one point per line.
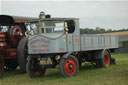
99	30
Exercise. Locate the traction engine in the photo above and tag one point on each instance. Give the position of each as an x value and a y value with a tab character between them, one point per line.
11	32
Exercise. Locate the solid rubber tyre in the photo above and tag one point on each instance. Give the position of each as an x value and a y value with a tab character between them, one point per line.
1	66
22	53
104	61
69	66
34	69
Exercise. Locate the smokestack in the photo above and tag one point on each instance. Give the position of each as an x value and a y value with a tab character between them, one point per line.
42	15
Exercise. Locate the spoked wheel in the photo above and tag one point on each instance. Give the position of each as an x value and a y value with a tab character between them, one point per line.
1	66
69	66
104	61
34	69
22	53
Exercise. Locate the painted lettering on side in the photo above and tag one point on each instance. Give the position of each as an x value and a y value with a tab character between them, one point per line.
36	46
40	50
76	40
39	40
43	46
61	49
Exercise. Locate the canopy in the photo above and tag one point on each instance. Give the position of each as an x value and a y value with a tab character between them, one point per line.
10	20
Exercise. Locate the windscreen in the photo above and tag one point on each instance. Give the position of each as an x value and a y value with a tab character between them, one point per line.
52	26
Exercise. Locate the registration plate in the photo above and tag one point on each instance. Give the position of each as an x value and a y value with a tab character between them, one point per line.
45	61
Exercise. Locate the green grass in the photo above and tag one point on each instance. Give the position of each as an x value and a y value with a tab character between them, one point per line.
88	75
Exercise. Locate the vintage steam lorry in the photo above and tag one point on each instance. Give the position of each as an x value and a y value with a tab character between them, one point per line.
57	42
13	42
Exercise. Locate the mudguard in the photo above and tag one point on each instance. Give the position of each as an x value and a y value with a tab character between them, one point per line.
67	54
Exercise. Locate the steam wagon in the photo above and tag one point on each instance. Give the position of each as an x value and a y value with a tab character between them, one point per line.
57	42
12	35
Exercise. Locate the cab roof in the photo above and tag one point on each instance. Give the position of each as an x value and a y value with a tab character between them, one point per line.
54	19
9	20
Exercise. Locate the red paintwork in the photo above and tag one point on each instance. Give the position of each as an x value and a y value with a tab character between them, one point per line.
1	65
9	40
40	50
76	40
39	40
68	70
70	42
8	53
4	45
5	48
61	49
36	46
36	73
43	45
16	33
2	36
106	59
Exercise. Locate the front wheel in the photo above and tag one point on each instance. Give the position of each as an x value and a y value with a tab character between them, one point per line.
69	66
34	69
1	66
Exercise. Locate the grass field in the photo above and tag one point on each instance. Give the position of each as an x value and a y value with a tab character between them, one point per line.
88	75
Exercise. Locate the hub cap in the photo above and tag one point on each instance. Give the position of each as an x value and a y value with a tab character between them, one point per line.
106	59
70	66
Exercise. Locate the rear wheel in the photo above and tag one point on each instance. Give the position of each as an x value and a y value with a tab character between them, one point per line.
69	66
22	53
1	66
34	69
104	61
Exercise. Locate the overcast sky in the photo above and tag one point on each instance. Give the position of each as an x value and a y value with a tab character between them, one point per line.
106	14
